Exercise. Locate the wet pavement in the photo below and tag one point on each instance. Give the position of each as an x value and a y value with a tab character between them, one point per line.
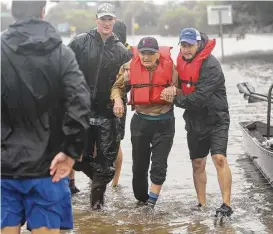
252	197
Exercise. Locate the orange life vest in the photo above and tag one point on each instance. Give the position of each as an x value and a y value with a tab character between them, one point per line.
146	86
189	72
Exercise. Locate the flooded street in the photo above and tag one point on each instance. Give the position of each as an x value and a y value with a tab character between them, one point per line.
252	197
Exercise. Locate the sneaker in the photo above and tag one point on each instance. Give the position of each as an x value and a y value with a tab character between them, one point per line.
199	207
74	190
141	203
148	209
151	204
115	187
97	206
224	210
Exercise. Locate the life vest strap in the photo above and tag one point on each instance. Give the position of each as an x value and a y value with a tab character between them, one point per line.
148	85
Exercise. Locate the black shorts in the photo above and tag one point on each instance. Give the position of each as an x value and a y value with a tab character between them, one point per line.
215	143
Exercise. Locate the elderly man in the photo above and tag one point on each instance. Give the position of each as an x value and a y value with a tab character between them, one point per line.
206	112
152	126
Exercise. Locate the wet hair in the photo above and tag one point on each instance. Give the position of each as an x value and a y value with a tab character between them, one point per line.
27	9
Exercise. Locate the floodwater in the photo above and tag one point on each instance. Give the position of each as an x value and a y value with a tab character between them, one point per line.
252	197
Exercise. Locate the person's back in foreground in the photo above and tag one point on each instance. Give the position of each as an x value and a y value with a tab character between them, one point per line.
152	126
100	54
42	90
206	115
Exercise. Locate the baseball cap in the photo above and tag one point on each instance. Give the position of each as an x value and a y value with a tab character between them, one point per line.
106	9
189	35
148	44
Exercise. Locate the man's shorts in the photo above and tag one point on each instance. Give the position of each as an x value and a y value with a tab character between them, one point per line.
39	202
215	143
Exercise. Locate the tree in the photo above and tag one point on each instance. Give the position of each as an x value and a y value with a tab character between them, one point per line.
74	14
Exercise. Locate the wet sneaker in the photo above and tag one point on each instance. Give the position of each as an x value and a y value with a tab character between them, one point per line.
224	211
74	190
199	207
151	204
141	203
115	187
148	209
98	206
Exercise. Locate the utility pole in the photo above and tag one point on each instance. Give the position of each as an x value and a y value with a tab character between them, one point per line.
221	33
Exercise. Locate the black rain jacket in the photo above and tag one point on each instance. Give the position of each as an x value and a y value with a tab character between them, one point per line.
45	101
207	106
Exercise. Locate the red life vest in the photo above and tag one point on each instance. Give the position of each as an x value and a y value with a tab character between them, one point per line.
189	71
147	86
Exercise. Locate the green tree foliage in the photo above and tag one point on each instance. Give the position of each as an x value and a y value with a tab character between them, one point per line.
78	15
174	19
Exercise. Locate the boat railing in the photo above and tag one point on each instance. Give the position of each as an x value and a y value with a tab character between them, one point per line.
249	93
269	100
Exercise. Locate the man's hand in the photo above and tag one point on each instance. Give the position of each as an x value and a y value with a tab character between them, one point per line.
168	94
61	166
118	107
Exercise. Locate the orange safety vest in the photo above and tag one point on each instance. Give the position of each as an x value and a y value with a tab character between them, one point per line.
189	72
146	86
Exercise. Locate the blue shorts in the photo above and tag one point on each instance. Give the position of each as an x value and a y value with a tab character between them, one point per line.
39	202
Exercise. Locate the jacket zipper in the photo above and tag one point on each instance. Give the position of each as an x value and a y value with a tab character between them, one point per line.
97	73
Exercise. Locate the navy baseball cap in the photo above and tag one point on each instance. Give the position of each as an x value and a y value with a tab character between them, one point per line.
189	35
148	44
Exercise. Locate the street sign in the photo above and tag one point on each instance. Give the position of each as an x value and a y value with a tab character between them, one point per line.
214	16
220	15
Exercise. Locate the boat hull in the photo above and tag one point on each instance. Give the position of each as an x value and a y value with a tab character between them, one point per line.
261	156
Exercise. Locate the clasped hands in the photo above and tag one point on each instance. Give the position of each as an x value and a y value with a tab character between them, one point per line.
168	94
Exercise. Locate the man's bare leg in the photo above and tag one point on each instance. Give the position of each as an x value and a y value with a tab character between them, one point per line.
200	179
118	165
44	230
72	175
224	176
155	188
72	185
11	230
154	194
